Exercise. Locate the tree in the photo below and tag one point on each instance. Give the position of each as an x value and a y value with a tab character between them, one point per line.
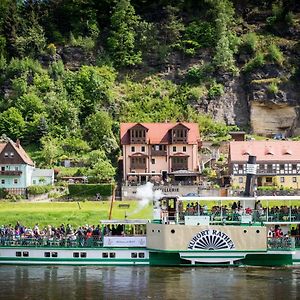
122	39
223	58
12	123
51	150
102	171
98	130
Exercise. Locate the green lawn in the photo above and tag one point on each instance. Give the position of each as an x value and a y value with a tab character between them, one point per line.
56	213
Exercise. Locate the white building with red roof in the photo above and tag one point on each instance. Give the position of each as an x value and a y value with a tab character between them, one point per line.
278	162
160	151
17	170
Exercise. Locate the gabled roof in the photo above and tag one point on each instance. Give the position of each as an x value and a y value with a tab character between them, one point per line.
21	155
265	150
158	133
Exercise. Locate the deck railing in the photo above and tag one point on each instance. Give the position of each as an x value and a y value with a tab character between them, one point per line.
281	243
92	242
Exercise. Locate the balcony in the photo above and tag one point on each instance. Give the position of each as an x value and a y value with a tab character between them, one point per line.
10	173
266	172
158	153
177	167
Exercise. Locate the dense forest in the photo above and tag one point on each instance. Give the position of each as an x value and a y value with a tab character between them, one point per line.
72	70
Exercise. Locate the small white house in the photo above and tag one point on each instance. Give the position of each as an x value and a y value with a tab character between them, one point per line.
42	176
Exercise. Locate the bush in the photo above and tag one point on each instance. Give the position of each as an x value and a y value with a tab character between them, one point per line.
199	74
80	190
3	193
257	62
250	42
275	55
39	189
215	90
273	88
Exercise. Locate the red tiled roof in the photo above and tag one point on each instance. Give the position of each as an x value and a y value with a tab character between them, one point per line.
265	150
158	133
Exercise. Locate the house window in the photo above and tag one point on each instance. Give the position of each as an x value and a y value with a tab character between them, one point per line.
15	181
132	149
2	181
281	179
241	179
5	154
143	148
153	161
12	154
16	168
294	179
269	179
184	148
174	148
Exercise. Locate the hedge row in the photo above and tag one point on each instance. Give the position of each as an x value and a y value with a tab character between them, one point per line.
80	190
39	189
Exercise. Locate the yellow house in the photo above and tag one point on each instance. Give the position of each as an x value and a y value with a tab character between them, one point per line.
278	163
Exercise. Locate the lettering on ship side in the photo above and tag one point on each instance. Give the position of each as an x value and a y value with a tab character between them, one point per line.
211	239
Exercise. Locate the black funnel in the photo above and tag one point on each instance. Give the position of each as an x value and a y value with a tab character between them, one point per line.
251	173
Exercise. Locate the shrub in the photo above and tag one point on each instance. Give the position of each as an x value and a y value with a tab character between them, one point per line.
51	49
198	74
275	55
39	189
257	62
215	90
3	193
250	42
273	88
80	190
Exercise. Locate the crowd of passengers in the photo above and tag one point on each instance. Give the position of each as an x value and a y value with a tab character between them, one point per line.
237	209
61	233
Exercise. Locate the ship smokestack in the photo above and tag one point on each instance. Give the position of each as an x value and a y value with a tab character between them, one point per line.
251	172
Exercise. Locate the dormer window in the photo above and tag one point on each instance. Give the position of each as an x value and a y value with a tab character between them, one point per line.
179	134
287	152
6	154
12	154
269	151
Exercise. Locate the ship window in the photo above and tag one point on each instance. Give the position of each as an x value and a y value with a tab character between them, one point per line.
75	254
142	255
158	230
112	254
257	231
82	254
46	254
104	254
172	231
54	254
133	255
18	253
245	231
25	253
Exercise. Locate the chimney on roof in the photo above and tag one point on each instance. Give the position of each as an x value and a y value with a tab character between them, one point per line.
18	143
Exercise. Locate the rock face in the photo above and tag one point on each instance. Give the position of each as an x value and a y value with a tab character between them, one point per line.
268	119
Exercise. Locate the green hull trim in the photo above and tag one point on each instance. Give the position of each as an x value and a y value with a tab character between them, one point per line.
164	258
271	260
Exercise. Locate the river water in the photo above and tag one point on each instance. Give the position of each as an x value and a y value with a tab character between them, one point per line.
69	282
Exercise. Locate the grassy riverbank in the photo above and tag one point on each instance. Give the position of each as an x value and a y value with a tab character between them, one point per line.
75	213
